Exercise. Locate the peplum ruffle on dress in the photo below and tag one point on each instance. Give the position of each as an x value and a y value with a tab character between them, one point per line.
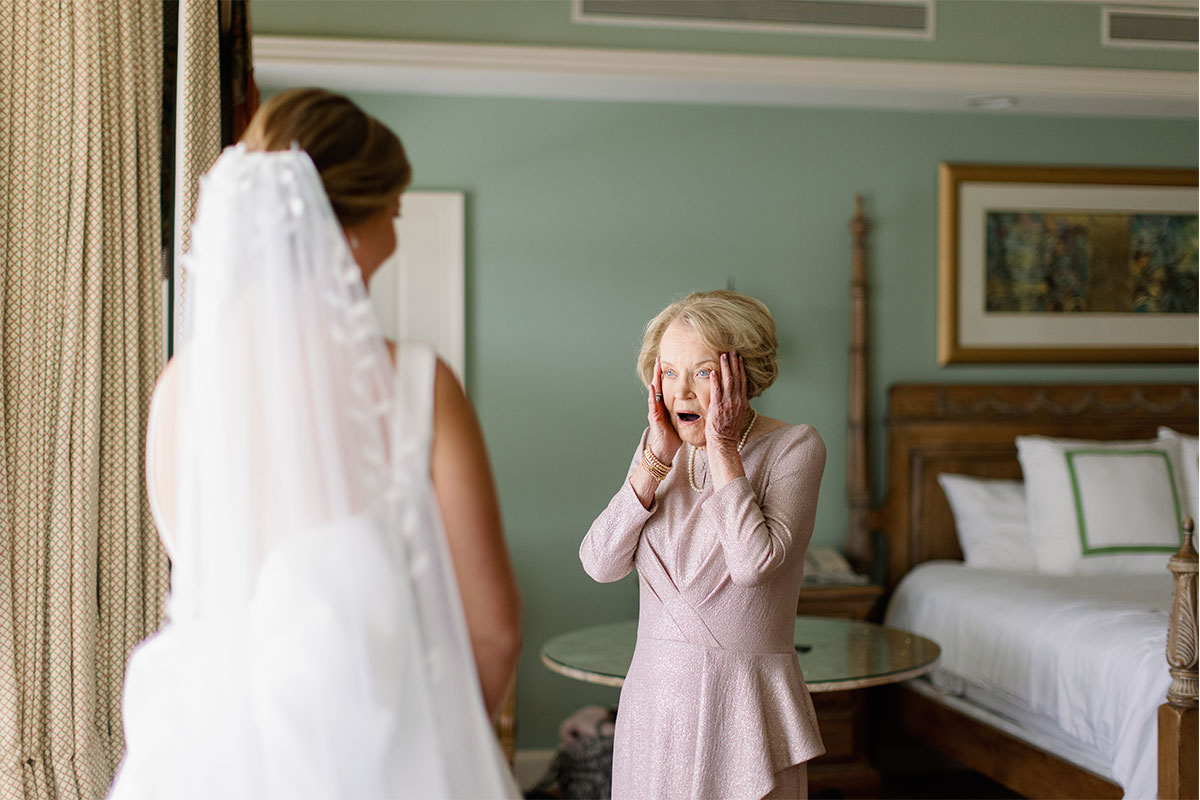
714	704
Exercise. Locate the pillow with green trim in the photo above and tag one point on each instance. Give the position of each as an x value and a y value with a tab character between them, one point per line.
1189	460
1102	507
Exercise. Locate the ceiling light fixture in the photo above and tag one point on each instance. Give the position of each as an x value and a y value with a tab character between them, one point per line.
992	101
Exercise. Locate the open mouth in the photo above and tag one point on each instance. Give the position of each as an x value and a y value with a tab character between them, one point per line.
685	416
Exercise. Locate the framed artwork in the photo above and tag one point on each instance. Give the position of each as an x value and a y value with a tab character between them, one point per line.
418	293
1066	264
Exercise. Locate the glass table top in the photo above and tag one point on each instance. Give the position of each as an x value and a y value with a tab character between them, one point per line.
835	654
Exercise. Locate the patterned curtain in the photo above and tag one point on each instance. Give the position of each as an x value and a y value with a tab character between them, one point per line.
82	574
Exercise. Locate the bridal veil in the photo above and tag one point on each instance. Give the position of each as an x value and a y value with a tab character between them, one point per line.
316	645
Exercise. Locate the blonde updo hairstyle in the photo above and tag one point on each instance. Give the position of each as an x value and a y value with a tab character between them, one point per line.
361	161
725	321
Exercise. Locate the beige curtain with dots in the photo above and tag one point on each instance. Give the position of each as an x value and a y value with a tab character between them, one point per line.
82	574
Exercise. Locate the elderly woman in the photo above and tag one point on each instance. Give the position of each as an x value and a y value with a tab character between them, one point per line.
716	513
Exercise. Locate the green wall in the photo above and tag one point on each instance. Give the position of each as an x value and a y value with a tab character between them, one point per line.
584	219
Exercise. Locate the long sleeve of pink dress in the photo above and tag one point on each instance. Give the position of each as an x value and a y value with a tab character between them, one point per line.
714	704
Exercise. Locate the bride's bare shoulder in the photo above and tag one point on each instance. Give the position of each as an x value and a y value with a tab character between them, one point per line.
167	386
161	452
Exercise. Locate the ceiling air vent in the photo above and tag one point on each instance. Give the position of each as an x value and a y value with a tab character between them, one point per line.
1139	27
903	18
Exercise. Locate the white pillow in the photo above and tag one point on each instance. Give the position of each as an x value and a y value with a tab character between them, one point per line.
1189	463
1101	507
989	515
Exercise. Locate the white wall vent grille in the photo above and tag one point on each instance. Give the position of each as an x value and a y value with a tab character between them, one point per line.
887	18
1151	28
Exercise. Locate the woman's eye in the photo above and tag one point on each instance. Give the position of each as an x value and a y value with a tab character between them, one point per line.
668	373
704	373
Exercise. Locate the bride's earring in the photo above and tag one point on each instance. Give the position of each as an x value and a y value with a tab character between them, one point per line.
353	237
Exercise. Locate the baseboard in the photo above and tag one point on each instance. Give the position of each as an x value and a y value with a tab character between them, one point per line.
530	766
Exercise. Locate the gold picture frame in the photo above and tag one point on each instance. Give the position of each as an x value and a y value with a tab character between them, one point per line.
1066	264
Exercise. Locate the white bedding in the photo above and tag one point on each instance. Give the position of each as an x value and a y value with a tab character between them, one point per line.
1079	660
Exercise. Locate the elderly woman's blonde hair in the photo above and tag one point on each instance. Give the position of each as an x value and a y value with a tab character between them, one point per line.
725	321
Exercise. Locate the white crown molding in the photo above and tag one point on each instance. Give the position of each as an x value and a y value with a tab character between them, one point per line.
639	75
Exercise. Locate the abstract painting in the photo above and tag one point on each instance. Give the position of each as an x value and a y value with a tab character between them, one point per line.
1067	264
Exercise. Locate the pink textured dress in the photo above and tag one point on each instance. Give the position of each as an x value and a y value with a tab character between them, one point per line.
714	704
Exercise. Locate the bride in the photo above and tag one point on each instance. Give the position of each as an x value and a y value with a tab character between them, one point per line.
343	616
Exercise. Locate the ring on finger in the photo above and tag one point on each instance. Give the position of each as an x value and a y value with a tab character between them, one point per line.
658	396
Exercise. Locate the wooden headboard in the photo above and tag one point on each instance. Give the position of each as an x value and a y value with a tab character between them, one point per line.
969	429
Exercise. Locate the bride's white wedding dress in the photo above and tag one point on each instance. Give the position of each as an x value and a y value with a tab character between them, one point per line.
316	646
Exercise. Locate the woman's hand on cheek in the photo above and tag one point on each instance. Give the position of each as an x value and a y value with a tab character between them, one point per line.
727	403
663	440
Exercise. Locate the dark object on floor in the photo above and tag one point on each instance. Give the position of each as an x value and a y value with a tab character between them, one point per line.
582	767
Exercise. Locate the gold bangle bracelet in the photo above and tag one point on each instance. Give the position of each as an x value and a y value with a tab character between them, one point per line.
657	469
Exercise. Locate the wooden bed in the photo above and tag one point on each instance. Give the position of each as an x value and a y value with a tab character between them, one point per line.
969	429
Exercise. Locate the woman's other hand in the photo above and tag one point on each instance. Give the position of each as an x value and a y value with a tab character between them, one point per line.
728	406
663	439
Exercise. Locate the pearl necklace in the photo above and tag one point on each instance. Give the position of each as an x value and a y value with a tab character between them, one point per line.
741	444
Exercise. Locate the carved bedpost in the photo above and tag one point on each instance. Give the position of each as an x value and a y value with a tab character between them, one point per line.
1181	635
1177	718
858	467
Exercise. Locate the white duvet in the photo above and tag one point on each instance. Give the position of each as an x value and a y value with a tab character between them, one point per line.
1081	658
